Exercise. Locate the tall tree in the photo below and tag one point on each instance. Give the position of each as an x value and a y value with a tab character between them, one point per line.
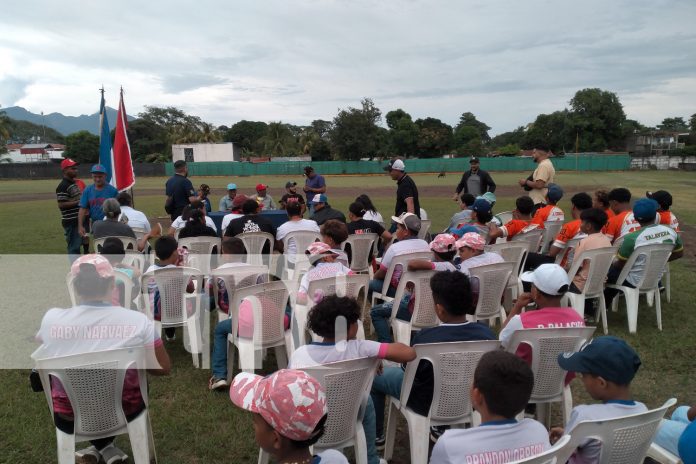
434	137
355	133
692	122
515	137
468	119
550	131
598	117
246	134
278	139
402	137
673	124
82	146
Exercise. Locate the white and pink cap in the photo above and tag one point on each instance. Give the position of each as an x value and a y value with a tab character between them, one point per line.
472	240
442	243
289	400
102	265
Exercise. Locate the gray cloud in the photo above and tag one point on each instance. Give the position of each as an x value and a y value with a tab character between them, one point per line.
178	83
12	89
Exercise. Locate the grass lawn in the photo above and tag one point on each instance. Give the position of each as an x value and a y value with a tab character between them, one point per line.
193	425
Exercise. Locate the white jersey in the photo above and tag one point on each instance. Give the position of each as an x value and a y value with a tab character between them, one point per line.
179	223
136	218
501	442
589	450
317	354
227	218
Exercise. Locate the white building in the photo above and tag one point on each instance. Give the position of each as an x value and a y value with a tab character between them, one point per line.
201	152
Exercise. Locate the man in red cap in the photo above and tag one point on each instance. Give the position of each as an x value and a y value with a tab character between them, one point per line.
264	199
68	195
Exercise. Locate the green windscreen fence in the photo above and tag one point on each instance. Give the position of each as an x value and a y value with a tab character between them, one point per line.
568	163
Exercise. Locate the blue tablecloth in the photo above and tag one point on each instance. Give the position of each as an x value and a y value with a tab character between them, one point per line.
277	217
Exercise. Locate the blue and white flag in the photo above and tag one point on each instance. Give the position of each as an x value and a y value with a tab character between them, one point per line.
106	154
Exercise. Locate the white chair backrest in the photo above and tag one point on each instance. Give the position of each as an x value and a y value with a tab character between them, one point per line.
493	278
268	301
625	440
552	455
93	383
546	344
600	261
346	285
139	232
505	216
236	277
512	252
361	250
617	243
453	373
254	243
301	239
122	279
568	251
171	283
137	259
424	305
347	384
655	260
201	251
425	228
401	261
551	229
531	238
129	243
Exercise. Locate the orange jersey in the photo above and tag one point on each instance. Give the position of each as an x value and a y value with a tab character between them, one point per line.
570	230
610	213
620	225
517	226
669	219
547	213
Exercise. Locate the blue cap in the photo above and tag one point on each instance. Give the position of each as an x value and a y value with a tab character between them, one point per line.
645	209
488	196
231	186
98	169
608	357
460	231
554	193
319	198
481	205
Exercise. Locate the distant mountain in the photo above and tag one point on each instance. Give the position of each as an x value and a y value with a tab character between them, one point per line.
66	125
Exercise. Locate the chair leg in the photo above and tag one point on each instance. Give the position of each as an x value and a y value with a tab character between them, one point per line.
632	296
247	357
419	435
658	309
603	313
543	413
139	438
391	431
666	282
264	457
66	447
230	360
360	444
567	403
281	357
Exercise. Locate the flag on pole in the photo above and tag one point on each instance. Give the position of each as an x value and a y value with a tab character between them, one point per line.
105	151
123	177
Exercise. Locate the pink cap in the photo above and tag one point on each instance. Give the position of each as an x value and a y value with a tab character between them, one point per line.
102	264
290	401
318	248
472	240
442	243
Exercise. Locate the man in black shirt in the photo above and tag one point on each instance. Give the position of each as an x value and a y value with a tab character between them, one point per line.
474	181
292	196
68	196
180	191
251	222
323	211
406	190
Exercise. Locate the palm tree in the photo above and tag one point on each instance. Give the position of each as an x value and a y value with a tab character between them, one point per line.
276	140
208	134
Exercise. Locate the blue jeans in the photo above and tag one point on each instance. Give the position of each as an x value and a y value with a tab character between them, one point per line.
368	423
669	431
381	313
219	356
389	383
73	240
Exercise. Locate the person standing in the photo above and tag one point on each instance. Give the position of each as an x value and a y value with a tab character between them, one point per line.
93	197
68	195
179	190
314	183
406	190
542	176
475	181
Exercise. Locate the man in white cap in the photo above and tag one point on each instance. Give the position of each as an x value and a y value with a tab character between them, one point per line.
406	190
549	282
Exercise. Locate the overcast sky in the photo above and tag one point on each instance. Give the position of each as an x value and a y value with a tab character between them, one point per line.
295	61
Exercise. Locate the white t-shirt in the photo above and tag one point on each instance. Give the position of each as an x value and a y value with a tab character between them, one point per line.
443	266
227	218
495	442
319	353
400	248
179	223
322	271
136	218
588	452
481	260
373	216
306	225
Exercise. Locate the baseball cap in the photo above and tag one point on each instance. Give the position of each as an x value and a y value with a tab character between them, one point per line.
608	357
662	197
102	265
481	205
239	201
290	183
231	186
261	187
396	165
489	197
68	163
461	230
308	169
98	169
555	192
318	248
408	220
549	278
319	198
474	160
442	243
472	240
289	400
645	209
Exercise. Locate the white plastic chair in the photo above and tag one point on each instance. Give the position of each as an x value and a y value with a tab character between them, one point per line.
551	230
453	364
398	261
655	259
254	243
139	232
505	216
129	243
127	283
600	261
423	310
174	302
562	447
268	301
234	278
424	231
661	455
93	383
531	238
361	250
201	255
568	251
138	260
513	252
301	239
625	440
493	280
549	379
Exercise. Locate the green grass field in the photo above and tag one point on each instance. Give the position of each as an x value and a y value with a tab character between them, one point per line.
193	425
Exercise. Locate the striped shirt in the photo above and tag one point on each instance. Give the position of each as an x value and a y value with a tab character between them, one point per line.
68	190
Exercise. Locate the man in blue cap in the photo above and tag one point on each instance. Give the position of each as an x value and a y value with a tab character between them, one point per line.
93	197
644	211
227	201
323	211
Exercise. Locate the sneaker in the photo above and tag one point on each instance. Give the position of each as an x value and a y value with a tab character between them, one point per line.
436	432
113	455
217	384
90	455
380	442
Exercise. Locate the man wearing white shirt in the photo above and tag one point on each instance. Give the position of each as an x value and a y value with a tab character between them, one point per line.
295	223
136	218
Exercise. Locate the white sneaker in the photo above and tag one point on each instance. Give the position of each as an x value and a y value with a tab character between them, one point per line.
113	455
89	455
217	384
